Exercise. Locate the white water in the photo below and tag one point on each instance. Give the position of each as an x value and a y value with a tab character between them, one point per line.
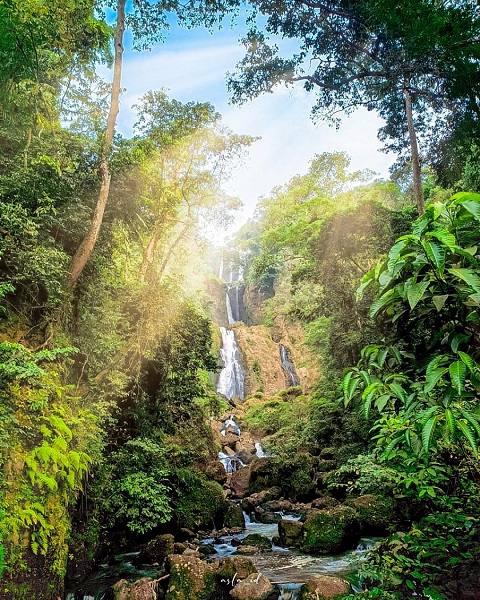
230	463
231	319
231	381
259	450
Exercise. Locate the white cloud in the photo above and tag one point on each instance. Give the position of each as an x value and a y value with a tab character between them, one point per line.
193	67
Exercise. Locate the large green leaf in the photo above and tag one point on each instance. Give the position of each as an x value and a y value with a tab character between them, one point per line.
433	377
458	371
468	360
398	390
394	253
436	254
451	423
447	238
428	430
439	301
469	435
472	207
384	300
415	293
468	276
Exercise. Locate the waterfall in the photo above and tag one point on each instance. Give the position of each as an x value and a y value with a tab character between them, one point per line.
230	463
220	269
288	367
231	380
259	450
289	591
231	318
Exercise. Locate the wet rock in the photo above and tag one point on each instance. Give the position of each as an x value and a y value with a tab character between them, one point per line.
245	456
184	535
375	513
206	549
254	587
240	481
290	532
234	566
278	505
234	516
258	541
259	467
156	550
179	547
330	531
192	552
142	589
324	502
276	540
323	587
260	498
262	516
228	451
216	471
190	578
247	550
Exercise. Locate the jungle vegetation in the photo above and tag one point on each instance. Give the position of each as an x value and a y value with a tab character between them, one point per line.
106	341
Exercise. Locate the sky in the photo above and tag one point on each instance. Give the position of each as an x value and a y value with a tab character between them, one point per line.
192	65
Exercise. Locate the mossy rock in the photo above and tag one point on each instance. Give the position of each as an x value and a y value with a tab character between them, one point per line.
156	550
190	579
324	587
258	541
207	549
290	532
254	587
234	566
234	516
375	513
330	531
203	504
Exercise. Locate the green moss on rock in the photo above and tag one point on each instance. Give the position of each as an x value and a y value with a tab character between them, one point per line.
375	513
330	531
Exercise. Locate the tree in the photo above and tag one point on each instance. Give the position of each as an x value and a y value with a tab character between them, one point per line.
148	22
384	55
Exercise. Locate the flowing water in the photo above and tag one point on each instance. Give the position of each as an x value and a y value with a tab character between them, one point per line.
288	367
231	381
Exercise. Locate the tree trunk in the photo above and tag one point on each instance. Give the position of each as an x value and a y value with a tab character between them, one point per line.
417	180
85	249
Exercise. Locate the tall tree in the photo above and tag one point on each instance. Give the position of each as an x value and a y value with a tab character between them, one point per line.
148	22
381	54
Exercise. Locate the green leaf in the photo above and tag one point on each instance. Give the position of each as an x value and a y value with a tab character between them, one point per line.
451	422
468	433
468	360
468	276
457	339
394	253
432	378
472	207
436	254
361	288
415	293
439	301
420	225
447	239
381	402
383	301
428	430
458	371
398	391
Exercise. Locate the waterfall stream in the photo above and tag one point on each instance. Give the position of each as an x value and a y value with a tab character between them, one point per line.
288	367
231	381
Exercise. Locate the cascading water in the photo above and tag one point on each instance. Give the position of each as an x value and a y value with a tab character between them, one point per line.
231	381
288	367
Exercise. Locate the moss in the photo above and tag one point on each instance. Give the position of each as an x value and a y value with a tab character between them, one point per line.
202	505
190	579
233	516
331	531
257	540
375	513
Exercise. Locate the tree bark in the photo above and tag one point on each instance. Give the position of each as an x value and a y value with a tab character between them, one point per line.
417	180
85	249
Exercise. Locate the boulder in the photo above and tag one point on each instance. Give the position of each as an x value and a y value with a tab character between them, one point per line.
190	578
263	516
254	587
258	541
156	550
216	471
142	589
278	505
240	481
324	502
290	532
207	549
375	513
247	550
259	467
260	498
233	568
330	531
234	516
323	587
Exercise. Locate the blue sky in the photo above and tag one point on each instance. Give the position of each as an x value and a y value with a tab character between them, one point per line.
192	65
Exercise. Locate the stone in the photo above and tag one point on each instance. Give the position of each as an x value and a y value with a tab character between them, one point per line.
247	550
216	471
207	549
234	516
323	587
254	587
240	481
179	547
156	550
324	502
259	466
263	516
290	532
142	589
258	541
234	566
375	513
190	578
330	531
278	506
